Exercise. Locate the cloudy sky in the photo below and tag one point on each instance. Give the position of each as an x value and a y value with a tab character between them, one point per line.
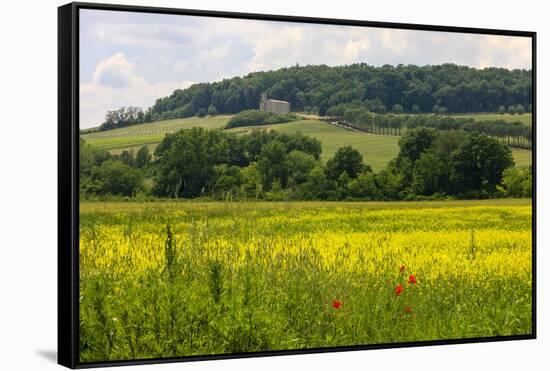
132	58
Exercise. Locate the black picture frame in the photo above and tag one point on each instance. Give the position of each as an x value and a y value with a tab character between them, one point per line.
68	179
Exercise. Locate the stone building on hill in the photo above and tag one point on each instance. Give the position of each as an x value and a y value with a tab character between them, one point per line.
274	106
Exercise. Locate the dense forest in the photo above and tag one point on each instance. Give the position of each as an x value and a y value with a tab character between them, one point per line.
262	165
446	88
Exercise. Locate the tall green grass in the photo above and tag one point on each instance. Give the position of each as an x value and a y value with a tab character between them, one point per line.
189	278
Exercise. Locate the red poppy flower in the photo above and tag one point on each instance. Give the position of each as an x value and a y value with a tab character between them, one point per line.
336	304
408	310
402	268
412	279
399	289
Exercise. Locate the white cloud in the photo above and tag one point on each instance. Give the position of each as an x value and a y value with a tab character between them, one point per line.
394	42
162	52
287	44
115	84
208	60
150	35
508	52
346	48
279	47
114	71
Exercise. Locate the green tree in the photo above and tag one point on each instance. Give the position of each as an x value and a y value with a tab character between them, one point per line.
254	117
346	159
442	147
415	109
277	192
90	157
298	164
364	186
117	178
316	185
428	174
517	182
502	110
416	141
227	178
390	184
86	158
447	142
512	110
272	164
397	108
299	142
127	157
319	87
251	181
186	160
201	112
212	111
143	157
520	109
478	164
323	106
342	183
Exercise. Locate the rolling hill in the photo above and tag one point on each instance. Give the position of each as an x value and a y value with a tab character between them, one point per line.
377	150
150	133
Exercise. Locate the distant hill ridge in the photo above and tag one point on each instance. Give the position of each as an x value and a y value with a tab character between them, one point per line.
316	88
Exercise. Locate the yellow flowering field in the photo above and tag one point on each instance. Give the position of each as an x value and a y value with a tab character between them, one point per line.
169	279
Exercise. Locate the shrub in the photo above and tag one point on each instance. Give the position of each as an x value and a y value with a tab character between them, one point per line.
201	112
517	182
254	117
116	178
397	108
212	111
520	109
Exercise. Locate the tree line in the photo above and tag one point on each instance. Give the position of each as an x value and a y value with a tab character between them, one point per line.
261	165
358	116
446	88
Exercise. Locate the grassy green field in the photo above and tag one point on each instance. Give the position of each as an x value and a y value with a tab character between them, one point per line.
526	118
522	158
150	133
168	279
377	150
